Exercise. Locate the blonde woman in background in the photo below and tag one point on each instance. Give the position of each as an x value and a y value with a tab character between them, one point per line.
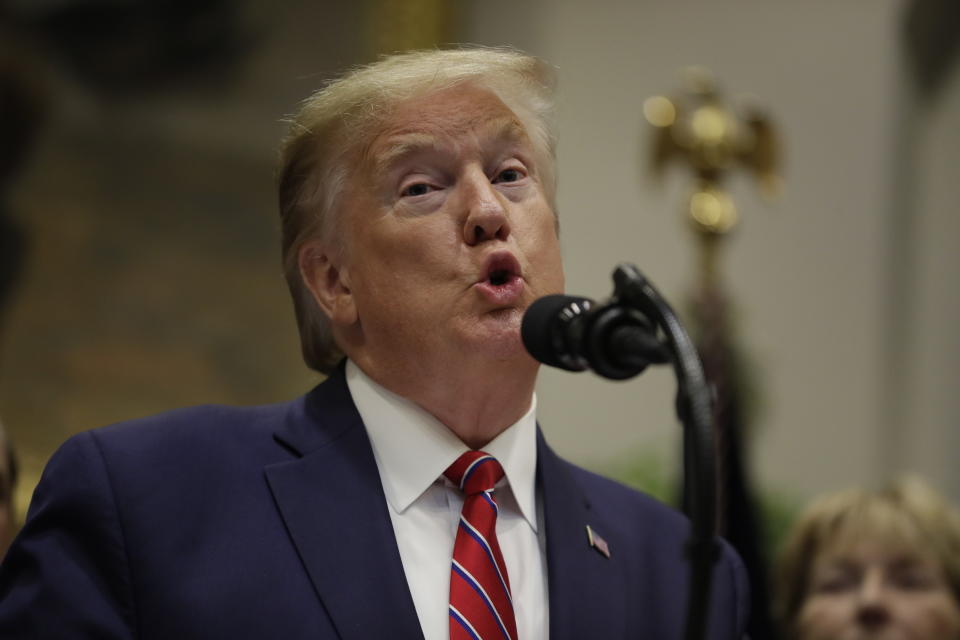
862	565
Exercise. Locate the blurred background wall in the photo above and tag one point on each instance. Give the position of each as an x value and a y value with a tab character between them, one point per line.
151	274
845	288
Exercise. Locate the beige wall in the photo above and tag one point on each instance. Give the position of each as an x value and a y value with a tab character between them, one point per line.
931	406
810	274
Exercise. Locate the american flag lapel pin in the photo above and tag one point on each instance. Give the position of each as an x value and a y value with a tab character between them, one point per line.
597	542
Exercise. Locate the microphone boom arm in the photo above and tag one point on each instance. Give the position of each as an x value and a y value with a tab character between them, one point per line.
617	339
695	410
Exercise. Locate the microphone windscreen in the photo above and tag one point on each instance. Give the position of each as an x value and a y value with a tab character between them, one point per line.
542	327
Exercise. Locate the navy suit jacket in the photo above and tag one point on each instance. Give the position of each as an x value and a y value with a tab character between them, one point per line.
271	522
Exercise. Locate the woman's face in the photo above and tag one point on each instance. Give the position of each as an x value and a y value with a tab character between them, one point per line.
870	591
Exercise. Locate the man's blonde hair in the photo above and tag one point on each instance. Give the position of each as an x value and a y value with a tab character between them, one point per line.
346	114
909	514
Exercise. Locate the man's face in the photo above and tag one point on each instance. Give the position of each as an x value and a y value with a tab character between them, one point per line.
874	591
449	232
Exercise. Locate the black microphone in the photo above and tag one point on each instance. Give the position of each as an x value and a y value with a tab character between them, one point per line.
575	333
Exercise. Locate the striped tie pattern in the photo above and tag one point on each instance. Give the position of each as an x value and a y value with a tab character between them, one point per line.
481	607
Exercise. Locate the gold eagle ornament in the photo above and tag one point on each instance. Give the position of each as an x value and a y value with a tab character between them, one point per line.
699	130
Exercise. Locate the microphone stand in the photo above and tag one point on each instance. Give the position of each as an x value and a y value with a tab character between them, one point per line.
694	409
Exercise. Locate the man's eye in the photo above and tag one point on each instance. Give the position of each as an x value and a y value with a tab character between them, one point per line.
509	175
418	189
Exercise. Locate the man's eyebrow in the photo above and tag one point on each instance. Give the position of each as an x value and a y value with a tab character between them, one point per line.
508	129
401	146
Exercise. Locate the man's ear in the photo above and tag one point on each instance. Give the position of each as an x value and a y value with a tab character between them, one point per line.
329	282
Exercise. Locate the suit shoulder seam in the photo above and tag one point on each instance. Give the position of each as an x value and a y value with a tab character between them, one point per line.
120	528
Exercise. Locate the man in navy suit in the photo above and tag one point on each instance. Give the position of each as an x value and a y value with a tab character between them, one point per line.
417	201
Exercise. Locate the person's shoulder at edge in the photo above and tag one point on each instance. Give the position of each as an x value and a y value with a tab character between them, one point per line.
204	436
194	420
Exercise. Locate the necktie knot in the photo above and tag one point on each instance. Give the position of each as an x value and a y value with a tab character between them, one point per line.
475	472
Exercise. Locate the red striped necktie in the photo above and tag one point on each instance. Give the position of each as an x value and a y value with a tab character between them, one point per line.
481	607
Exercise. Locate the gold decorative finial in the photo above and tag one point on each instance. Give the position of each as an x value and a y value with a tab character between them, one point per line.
713	139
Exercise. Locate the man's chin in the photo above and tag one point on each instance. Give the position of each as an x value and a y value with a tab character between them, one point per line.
498	337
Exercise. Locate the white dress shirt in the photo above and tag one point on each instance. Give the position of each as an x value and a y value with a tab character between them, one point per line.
412	450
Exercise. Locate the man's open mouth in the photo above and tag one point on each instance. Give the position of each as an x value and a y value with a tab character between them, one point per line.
501	268
499	277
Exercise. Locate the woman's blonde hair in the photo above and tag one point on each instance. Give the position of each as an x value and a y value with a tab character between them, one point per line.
347	113
909	514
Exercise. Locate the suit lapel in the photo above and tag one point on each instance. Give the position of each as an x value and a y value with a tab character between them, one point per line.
587	590
333	505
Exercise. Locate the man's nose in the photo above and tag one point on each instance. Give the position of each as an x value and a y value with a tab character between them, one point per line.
486	215
873	609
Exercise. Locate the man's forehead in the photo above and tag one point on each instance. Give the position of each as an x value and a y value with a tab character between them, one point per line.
396	143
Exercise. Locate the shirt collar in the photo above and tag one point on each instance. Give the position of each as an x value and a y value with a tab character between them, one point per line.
413	449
